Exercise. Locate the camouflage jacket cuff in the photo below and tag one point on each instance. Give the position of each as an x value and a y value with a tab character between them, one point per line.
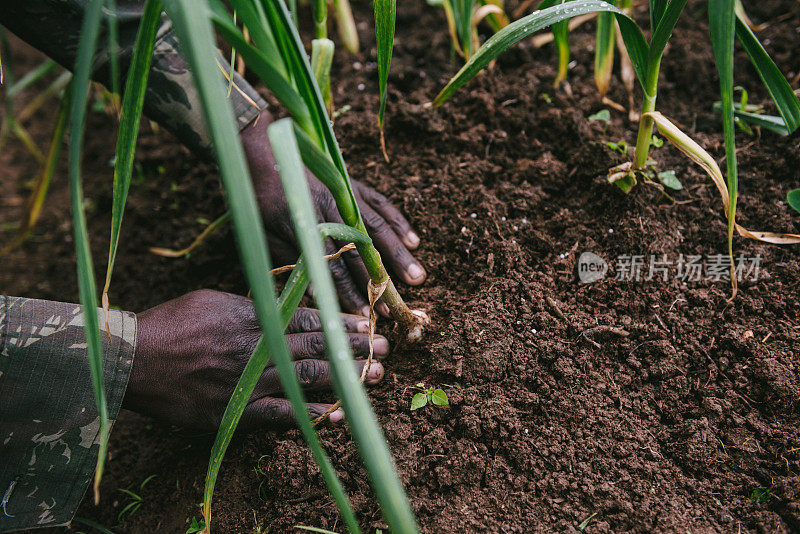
49	425
172	99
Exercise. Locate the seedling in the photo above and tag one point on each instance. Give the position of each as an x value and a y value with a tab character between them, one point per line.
761	494
618	146
585	522
195	525
135	500
793	199
427	395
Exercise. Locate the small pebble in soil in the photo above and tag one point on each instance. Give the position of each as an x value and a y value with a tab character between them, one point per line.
357	65
361	86
502	219
473	215
610	230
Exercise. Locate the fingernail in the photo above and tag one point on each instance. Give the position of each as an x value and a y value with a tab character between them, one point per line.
381	346
415	271
383	309
411	240
375	373
364	311
363	326
336	416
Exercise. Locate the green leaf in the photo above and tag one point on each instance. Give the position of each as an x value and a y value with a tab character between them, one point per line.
779	89
197	44
657	141
90	30
361	419
603	116
439	397
669	179
321	59
585	522
669	15
768	122
132	104
418	401
793	199
520	29
384	37
722	19
604	50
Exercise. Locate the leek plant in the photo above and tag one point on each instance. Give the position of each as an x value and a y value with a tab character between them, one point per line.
463	17
725	26
277	56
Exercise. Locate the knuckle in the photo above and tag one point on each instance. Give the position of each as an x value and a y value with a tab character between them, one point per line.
305	320
314	345
308	371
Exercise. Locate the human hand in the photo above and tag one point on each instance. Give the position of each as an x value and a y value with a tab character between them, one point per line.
191	351
390	231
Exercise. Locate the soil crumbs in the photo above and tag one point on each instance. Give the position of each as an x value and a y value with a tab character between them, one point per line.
689	423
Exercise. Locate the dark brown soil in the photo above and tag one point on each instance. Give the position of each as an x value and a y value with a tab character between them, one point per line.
669	429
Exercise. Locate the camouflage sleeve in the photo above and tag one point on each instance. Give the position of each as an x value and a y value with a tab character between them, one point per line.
49	426
54	27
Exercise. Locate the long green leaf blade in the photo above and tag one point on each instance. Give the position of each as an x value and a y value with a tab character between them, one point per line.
604	51
663	31
361	418
385	14
195	34
132	104
90	30
779	89
522	28
721	18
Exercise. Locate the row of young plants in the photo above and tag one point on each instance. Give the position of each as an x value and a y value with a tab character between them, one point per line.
727	24
263	34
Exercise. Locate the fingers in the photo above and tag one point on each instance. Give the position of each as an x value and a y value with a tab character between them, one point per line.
392	215
269	411
349	296
312	345
393	251
313	375
307	320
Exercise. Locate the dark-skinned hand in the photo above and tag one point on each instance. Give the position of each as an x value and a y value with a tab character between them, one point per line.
191	351
390	231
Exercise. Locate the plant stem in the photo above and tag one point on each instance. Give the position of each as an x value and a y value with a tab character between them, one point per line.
377	272
646	122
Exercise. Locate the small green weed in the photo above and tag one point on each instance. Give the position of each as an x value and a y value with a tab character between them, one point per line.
761	494
433	395
134	500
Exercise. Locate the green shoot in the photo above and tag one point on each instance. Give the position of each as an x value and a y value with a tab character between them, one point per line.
385	11
135	500
184	252
793	199
86	279
585	523
346	25
605	41
132	104
761	494
426	395
34	202
321	59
